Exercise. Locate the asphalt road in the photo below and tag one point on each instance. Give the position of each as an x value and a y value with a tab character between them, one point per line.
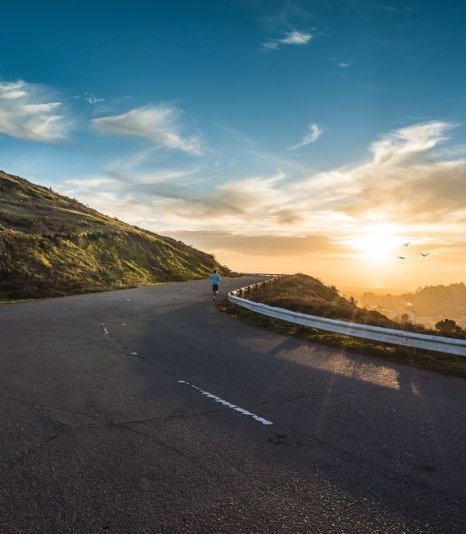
148	410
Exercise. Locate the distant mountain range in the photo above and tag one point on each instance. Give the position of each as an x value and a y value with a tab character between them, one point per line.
52	245
427	304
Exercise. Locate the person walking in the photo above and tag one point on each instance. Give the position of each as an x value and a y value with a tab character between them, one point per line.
215	281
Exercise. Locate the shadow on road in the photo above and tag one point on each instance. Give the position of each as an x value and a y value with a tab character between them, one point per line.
378	433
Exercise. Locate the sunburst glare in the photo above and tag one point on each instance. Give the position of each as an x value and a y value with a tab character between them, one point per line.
377	243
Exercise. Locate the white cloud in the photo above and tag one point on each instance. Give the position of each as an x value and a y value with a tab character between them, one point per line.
158	124
315	131
26	112
9	91
344	65
296	38
290	38
402	183
399	146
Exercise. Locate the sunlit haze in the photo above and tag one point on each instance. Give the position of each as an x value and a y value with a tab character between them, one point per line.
283	136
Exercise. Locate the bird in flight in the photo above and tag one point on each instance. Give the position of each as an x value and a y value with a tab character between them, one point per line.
401	257
406	244
424	254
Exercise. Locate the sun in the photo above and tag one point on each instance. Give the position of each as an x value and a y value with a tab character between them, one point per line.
377	243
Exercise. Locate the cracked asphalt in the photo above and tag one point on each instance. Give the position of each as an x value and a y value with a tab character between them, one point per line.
98	434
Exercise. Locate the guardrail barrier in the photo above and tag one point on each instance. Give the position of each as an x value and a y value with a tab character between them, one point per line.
404	338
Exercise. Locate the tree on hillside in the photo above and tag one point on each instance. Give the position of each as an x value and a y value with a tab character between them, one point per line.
448	327
405	318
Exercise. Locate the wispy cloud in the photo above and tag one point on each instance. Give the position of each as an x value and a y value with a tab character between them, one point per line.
397	9
269	45
258	245
158	124
315	131
294	37
408	142
27	111
343	64
92	99
408	180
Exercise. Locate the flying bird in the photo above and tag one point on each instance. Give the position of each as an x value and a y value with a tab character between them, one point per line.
401	257
406	244
424	254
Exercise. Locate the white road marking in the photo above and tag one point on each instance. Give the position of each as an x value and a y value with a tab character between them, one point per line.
227	404
105	329
134	353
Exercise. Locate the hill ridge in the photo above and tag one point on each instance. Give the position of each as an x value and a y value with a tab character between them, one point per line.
53	245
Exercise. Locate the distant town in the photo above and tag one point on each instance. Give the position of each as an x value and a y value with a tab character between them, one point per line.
427	305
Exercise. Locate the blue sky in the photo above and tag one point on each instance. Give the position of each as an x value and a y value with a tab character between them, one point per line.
248	127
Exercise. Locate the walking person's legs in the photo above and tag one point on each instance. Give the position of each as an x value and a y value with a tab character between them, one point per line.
215	291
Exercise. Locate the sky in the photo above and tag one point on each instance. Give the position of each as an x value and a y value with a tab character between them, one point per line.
319	136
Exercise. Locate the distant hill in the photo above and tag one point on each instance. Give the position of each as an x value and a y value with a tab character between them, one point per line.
52	245
427	304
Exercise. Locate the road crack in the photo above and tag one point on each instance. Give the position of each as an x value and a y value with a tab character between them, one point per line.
16	460
38	405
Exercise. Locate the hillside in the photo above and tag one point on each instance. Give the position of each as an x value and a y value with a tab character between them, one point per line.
52	245
306	294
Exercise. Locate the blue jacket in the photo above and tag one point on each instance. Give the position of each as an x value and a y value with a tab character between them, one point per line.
215	278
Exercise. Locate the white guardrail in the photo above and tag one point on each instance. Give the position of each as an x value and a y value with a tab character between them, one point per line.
447	345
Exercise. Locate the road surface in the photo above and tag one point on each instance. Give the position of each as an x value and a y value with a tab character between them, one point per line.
148	410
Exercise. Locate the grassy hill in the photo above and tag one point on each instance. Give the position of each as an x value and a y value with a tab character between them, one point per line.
303	293
309	295
52	245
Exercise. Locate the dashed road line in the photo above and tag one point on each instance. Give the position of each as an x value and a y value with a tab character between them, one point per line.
223	402
121	348
104	329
